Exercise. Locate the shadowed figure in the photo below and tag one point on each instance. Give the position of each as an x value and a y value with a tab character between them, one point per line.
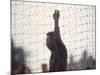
58	59
18	65
17	59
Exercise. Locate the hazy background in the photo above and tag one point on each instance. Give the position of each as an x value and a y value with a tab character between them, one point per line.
31	21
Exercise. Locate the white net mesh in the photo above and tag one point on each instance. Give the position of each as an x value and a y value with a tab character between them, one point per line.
31	21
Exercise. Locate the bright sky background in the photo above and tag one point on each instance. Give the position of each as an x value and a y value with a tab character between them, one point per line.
31	21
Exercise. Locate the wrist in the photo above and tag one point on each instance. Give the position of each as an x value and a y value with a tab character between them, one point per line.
56	21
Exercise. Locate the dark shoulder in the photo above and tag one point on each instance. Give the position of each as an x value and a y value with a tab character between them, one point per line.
61	46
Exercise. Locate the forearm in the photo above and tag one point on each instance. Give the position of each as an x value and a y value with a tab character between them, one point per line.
57	30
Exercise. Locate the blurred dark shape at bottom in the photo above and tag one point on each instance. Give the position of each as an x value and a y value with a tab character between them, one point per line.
27	70
18	60
44	68
18	69
87	68
87	62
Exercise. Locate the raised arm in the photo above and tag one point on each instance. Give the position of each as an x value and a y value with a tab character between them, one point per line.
56	16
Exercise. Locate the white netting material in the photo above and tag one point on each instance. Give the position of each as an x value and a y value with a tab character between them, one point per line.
31	21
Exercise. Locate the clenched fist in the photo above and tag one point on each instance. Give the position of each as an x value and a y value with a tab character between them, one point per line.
56	15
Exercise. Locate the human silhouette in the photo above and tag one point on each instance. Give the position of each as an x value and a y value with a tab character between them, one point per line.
58	59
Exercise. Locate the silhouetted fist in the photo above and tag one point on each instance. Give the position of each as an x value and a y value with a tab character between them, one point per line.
56	15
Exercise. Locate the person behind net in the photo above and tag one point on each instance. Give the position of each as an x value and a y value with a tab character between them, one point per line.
58	59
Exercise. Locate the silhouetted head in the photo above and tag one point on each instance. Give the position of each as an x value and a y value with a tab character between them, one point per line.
44	67
50	40
18	69
27	70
